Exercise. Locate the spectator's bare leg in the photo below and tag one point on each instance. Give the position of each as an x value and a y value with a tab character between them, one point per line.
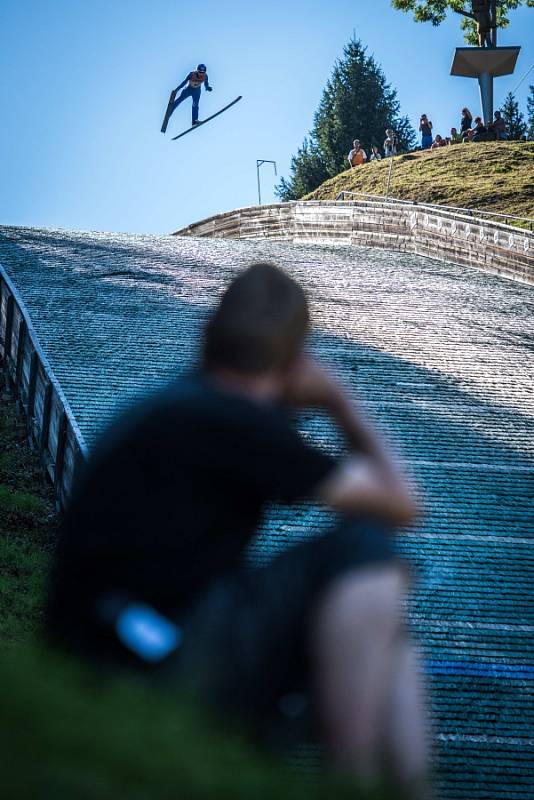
355	639
406	728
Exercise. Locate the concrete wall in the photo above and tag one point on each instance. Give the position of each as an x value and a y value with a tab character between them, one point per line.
426	230
50	423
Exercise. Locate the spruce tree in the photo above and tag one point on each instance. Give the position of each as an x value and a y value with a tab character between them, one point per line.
307	169
357	103
530	113
515	121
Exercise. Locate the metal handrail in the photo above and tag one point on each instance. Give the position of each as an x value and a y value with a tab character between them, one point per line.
437	207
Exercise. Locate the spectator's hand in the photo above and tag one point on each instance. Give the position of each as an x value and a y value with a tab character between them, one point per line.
309	384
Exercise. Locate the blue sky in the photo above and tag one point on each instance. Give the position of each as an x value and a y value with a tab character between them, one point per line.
83	88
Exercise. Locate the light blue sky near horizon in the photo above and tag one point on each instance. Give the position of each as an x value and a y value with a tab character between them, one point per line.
83	89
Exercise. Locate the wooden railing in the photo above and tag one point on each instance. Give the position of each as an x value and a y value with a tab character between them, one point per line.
51	426
513	219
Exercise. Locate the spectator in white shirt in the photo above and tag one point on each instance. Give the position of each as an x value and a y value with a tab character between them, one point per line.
391	144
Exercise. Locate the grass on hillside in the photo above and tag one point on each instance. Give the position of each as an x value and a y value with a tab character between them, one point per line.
70	732
491	176
28	525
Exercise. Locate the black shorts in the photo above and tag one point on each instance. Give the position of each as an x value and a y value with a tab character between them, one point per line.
245	647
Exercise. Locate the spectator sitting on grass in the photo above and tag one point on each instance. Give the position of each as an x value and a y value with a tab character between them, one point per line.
357	155
149	575
439	141
455	137
491	132
375	154
391	144
500	126
480	132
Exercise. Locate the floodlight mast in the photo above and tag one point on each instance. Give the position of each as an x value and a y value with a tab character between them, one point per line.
259	162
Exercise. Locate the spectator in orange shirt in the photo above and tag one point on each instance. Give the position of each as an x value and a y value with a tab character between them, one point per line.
357	155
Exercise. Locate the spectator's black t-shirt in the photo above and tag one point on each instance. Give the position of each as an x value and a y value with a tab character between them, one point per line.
171	497
465	124
426	130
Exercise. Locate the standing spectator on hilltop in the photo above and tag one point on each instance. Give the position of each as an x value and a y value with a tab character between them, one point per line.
375	154
425	128
357	155
465	123
500	126
455	137
391	143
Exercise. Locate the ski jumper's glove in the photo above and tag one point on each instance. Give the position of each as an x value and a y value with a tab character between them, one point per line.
209	88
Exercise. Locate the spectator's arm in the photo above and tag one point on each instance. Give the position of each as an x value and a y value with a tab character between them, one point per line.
465	13
370	479
358	486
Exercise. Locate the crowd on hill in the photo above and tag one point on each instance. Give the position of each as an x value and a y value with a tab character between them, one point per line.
472	129
358	155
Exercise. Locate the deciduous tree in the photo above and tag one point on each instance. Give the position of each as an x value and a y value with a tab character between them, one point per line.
481	18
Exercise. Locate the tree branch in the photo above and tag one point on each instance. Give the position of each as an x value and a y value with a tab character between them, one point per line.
464	13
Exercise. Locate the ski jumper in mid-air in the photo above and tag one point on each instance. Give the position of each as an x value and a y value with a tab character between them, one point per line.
194	81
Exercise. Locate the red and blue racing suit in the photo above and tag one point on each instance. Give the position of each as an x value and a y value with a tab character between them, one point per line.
194	81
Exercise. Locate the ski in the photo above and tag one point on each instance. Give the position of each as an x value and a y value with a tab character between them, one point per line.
199	125
168	111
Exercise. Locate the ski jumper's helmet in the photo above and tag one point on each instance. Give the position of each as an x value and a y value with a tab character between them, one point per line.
201	68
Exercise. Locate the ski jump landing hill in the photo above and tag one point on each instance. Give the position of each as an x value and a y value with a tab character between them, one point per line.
439	351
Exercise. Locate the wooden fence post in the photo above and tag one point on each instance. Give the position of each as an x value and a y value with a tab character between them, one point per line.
9	328
20	355
60	452
31	392
43	439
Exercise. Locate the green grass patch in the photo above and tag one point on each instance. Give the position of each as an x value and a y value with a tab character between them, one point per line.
28	527
22	503
490	176
70	733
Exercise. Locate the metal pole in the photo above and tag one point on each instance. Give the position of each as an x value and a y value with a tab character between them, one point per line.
259	162
389	175
485	82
